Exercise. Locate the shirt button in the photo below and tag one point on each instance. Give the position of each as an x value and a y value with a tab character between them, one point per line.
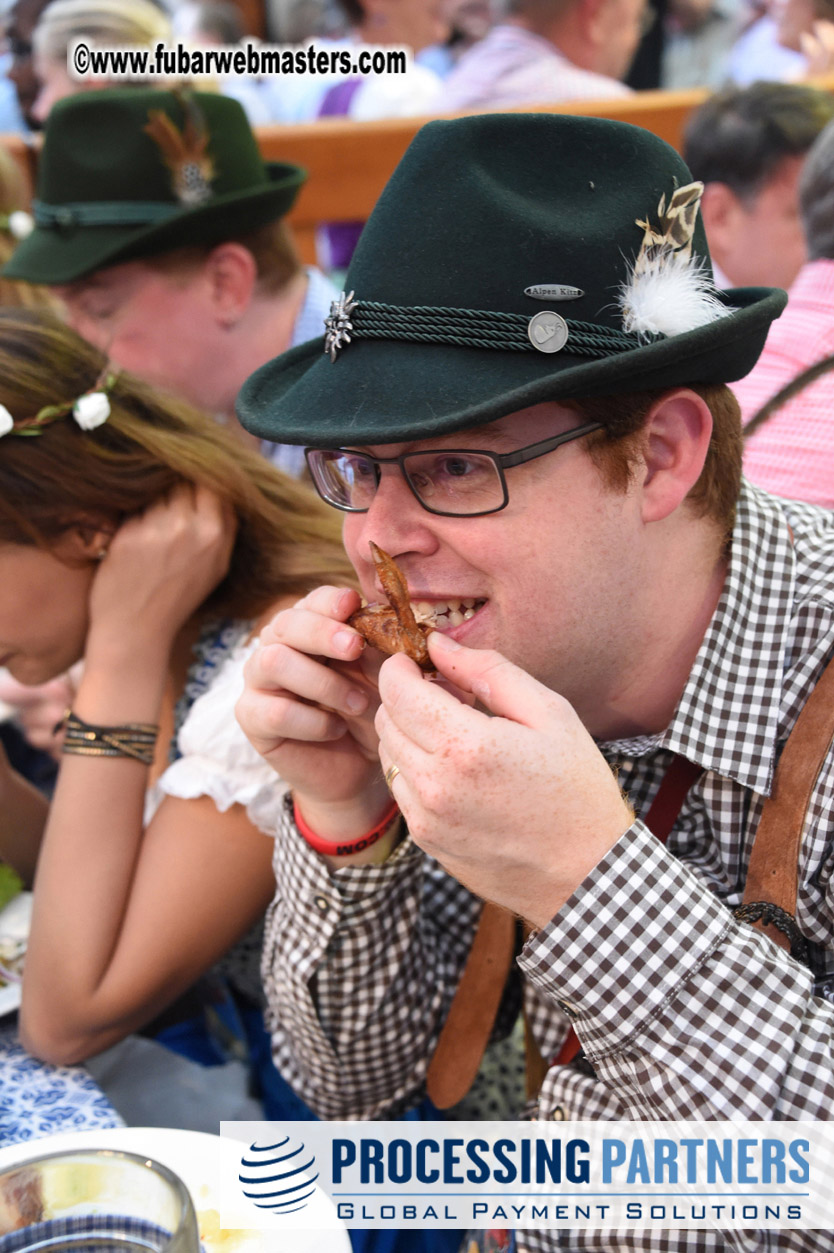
567	1008
321	903
558	1114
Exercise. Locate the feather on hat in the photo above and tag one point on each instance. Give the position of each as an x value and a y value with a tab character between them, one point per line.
667	291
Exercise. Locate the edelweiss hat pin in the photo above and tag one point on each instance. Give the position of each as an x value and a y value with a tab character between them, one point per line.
486	220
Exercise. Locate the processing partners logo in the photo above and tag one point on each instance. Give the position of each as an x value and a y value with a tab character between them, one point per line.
716	1176
278	1176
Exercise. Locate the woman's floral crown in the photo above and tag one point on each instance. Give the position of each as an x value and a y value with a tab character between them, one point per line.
19	224
89	410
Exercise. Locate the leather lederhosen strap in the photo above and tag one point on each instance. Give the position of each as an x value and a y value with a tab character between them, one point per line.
467	1029
771	880
772	874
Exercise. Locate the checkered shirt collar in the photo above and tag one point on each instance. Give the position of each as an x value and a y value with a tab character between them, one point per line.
727	718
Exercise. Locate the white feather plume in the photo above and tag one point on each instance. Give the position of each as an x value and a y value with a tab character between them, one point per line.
670	298
668	291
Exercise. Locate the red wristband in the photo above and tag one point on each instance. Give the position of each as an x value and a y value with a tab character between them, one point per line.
344	848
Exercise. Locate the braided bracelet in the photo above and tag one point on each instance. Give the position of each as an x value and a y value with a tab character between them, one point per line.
134	739
771	915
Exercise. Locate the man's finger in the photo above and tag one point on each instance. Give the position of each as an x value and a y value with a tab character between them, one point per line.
499	685
309	630
276	667
426	713
269	719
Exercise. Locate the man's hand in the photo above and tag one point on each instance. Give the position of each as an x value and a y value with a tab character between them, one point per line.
308	708
520	806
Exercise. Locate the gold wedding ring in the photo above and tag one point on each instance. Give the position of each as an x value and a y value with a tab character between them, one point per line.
390	775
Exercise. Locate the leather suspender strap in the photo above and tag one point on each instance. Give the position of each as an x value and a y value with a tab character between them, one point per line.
467	1029
786	393
669	798
772	875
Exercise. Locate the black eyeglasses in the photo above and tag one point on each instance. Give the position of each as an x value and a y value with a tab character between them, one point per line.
452	482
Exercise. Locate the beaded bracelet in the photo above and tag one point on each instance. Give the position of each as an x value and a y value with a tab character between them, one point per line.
134	739
339	848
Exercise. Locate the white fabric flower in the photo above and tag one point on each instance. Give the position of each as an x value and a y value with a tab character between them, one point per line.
6	421
21	223
91	410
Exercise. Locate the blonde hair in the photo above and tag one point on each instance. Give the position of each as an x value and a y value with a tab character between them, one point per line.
106	22
288	541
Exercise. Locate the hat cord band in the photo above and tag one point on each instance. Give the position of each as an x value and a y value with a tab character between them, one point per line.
103	213
479	328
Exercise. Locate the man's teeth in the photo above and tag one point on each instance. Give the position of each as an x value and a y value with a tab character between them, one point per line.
445	613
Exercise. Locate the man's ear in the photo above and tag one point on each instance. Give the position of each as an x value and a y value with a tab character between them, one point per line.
677	433
593	19
723	214
232	275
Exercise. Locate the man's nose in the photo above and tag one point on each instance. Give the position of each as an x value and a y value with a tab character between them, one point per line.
395	519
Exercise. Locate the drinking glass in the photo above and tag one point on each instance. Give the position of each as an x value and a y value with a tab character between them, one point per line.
95	1201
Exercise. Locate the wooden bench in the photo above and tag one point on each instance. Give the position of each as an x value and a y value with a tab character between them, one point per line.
349	163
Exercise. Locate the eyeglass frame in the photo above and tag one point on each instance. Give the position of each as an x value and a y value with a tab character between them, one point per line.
501	461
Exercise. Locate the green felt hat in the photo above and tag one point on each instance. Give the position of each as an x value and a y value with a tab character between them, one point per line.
488	279
131	173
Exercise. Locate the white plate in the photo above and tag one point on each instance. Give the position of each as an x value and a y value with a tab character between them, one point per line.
14	925
197	1158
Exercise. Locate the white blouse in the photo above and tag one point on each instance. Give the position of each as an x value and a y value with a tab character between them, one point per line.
216	758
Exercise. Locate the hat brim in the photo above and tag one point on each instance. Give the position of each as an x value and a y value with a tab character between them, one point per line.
384	391
57	255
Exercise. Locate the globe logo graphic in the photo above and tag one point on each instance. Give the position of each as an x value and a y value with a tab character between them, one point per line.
277	1176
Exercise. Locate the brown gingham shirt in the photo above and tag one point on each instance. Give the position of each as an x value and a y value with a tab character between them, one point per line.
683	1012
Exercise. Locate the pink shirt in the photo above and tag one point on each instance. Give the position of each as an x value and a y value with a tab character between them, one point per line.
512	66
792	454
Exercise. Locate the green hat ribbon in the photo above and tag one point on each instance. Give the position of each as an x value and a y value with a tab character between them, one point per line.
103	212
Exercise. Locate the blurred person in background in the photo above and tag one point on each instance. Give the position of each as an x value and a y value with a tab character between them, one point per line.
105	23
787	399
470	22
21	20
295	21
413	24
218	23
807	27
748	146
549	50
757	54
352	25
197	282
698	38
11	118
